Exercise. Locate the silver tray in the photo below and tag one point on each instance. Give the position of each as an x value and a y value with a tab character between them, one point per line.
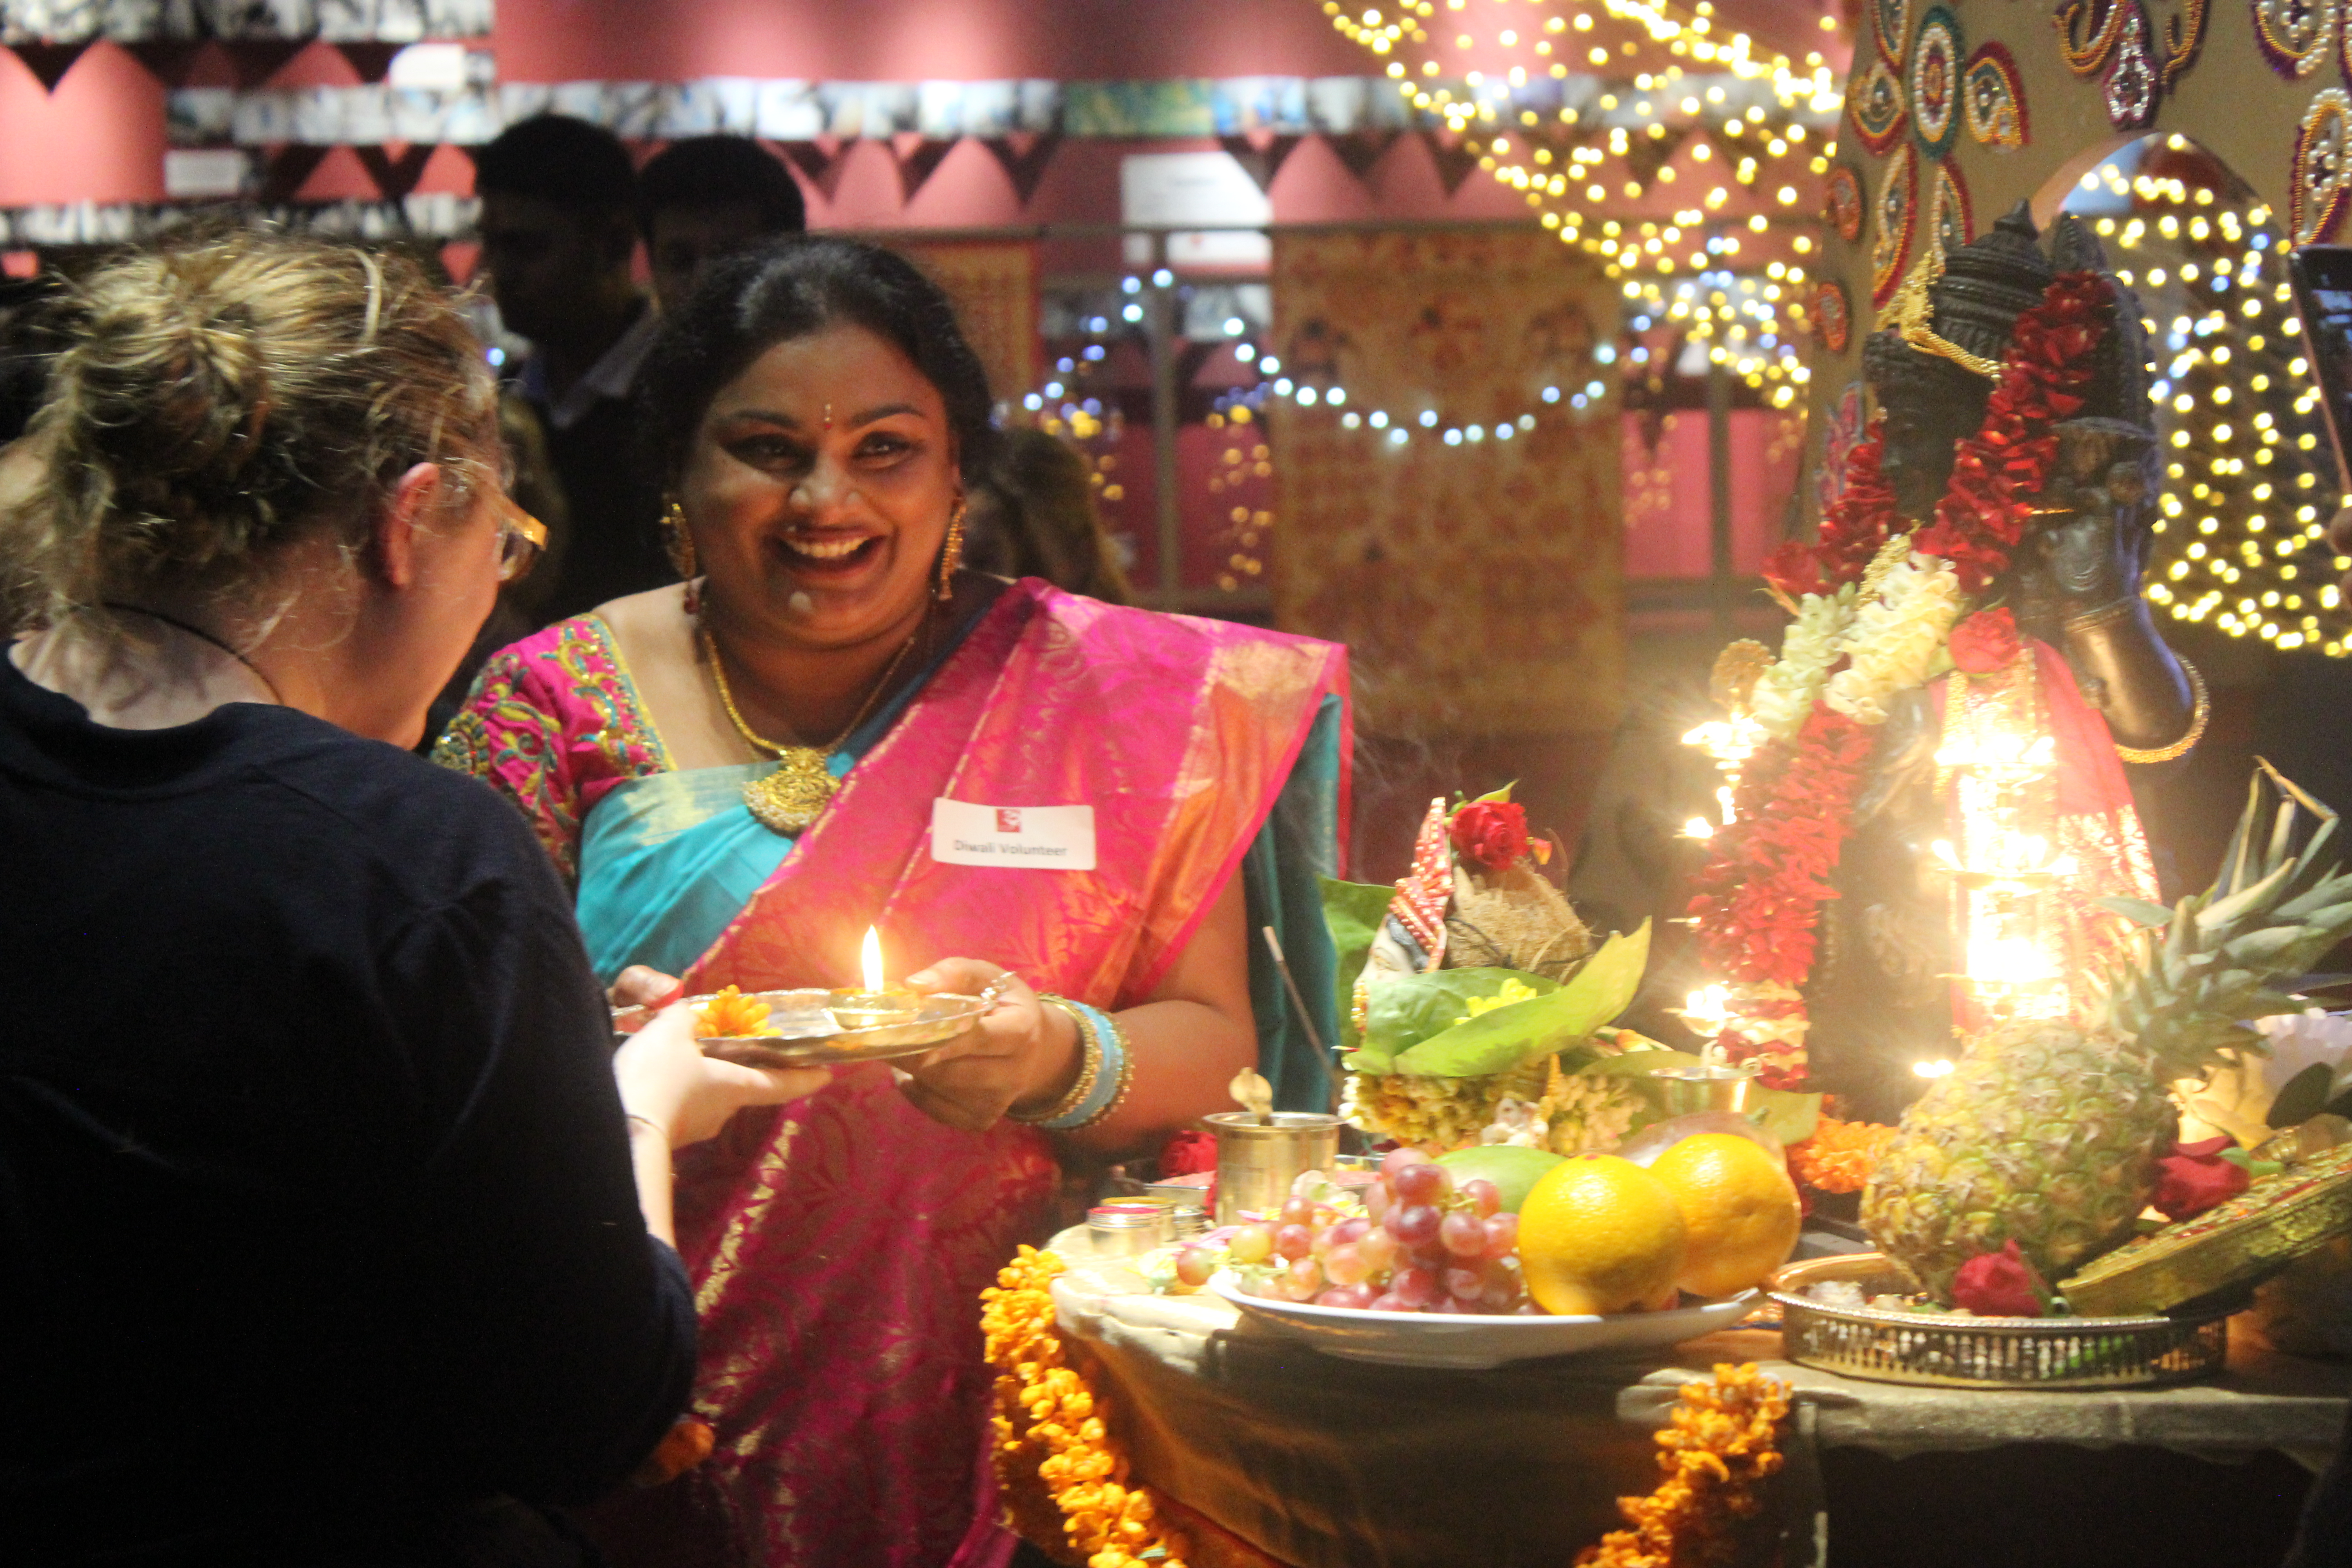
806	1036
1950	1350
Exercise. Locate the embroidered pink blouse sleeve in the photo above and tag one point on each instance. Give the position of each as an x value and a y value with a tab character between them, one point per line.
512	734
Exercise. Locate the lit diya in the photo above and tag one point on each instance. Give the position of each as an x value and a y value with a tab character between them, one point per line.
877	1005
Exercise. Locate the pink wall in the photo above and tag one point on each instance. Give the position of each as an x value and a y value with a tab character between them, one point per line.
1668	503
907	40
99	138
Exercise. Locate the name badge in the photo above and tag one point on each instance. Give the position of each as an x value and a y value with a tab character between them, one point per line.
1040	837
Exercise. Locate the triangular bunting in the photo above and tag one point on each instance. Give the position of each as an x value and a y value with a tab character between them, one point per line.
1261	152
1455	160
395	177
1648	155
166	59
49	61
284	171
821	161
1359	149
372	60
1023	155
919	157
256	61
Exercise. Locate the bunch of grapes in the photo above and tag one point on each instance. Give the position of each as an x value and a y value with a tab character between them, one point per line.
1423	1245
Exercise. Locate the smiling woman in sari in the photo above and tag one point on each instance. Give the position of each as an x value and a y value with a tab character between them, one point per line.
830	726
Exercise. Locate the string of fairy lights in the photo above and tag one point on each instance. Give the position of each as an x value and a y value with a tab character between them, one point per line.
1739	149
1067	404
2249	477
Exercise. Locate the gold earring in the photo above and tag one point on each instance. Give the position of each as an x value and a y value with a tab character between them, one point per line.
952	552
678	543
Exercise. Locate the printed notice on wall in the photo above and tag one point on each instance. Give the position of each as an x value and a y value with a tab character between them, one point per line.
1029	838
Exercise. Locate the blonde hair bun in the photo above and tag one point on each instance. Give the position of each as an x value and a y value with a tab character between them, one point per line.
224	397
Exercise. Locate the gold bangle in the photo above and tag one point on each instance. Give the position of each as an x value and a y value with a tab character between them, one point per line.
649	1123
2202	710
1089	1069
2106	615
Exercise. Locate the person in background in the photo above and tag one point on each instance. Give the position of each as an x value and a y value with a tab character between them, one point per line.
337	1233
706	197
559	203
1032	515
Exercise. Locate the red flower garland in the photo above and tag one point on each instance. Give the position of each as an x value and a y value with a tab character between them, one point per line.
1854	530
1757	903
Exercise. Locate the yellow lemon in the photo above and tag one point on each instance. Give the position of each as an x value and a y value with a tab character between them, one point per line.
1738	1205
1600	1235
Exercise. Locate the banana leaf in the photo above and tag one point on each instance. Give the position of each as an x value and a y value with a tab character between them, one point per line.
1500	1040
1353	912
1414	1008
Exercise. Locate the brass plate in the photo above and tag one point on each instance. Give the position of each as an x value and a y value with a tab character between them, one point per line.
806	1036
1944	1349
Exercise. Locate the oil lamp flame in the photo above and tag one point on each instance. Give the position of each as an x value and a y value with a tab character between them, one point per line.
1708	1009
1936	1069
871	959
1698	827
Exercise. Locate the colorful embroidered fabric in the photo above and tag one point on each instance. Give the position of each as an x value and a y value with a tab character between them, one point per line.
554	722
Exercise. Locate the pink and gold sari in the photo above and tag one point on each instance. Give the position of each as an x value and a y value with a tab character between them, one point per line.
839	1246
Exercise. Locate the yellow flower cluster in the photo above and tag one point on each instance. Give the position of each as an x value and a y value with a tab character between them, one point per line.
1061	1474
1512	991
1720	1444
1839	1155
730	1015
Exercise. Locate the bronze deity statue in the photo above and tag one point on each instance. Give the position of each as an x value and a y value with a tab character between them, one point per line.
1881	993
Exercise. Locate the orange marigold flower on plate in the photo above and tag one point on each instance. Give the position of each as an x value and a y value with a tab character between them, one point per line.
730	1015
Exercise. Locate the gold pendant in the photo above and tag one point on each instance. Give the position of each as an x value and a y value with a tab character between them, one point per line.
788	800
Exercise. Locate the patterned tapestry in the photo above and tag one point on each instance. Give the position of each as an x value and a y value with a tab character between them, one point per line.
995	286
1479	585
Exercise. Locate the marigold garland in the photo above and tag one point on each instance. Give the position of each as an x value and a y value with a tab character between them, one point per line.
1720	1445
1839	1155
1060	1473
1757	903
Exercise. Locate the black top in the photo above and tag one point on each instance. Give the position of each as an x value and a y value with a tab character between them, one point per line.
315	1198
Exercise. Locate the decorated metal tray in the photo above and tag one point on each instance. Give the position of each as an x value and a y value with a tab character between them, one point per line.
1954	1350
801	1028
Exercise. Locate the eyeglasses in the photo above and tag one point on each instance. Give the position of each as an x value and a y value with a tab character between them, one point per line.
521	539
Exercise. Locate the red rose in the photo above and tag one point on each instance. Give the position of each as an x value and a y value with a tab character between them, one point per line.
1491	832
1999	1284
1986	641
1188	1154
2195	1177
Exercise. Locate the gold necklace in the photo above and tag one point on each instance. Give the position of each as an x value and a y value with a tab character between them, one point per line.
790	798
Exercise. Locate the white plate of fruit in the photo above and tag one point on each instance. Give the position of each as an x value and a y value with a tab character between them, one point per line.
1501	1254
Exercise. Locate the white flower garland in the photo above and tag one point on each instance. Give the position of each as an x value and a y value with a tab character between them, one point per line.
1896	641
1784	693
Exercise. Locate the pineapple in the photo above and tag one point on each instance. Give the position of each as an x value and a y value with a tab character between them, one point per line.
2047	1134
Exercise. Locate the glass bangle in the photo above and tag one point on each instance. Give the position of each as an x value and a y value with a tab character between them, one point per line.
1119	1068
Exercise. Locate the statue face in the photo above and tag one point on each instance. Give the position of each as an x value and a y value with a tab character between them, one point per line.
1924	414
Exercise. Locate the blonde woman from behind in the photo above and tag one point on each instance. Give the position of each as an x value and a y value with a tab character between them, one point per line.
337	1231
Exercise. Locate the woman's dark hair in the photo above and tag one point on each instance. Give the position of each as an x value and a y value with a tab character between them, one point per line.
789	288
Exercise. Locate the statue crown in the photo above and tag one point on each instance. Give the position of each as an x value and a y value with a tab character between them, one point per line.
1978	290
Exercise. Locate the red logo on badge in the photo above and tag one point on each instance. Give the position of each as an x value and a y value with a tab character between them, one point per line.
1008	819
